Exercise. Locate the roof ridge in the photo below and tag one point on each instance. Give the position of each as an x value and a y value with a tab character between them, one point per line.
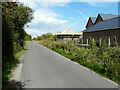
93	28
107	14
110	18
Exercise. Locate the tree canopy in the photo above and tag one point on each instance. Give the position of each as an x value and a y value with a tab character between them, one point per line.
48	36
14	17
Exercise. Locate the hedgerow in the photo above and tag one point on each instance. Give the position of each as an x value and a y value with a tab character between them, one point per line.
103	60
14	18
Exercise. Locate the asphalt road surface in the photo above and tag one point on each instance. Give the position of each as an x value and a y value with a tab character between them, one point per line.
43	68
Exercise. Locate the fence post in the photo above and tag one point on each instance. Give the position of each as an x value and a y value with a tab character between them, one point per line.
82	41
87	41
109	42
115	40
100	42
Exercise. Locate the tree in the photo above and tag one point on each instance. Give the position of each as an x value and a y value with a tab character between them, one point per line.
14	17
48	36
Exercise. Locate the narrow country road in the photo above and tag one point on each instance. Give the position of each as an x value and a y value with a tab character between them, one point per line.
43	68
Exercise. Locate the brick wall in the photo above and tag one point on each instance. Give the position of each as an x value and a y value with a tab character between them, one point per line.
104	34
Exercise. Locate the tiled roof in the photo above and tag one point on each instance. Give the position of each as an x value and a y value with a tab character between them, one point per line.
104	25
68	31
108	16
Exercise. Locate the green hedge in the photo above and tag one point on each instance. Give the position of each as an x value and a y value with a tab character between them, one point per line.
14	17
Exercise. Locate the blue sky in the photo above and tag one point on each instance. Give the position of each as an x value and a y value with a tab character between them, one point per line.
57	16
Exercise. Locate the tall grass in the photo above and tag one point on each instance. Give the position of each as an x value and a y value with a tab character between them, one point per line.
103	60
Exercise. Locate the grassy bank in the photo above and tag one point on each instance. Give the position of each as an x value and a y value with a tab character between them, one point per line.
10	65
102	60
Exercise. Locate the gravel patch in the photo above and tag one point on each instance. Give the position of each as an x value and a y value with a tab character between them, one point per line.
15	81
17	72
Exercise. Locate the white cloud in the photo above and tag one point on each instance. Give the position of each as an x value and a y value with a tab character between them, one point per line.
34	33
46	16
47	3
46	21
30	3
44	3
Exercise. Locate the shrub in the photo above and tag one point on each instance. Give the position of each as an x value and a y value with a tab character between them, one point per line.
92	44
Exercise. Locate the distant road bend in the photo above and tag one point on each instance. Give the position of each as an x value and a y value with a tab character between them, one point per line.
42	68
